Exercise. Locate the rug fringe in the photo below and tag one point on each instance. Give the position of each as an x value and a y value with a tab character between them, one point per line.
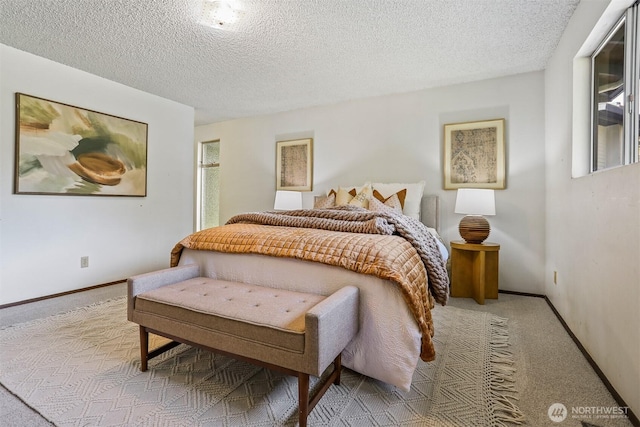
502	382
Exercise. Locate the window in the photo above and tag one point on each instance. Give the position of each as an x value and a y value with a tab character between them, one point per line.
209	183
615	83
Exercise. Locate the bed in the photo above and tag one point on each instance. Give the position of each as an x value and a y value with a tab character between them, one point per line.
395	318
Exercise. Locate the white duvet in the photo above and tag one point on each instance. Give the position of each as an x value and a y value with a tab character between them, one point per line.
387	346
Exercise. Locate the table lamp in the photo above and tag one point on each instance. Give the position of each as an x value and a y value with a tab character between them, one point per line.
287	200
474	203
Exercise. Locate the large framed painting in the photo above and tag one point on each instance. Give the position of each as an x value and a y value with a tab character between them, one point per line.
474	155
294	165
67	150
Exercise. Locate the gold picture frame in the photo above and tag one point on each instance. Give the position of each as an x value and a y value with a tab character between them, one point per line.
66	150
294	165
474	155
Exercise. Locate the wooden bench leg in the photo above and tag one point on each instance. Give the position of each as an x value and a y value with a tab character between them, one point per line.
337	367
144	348
303	398
145	354
304	403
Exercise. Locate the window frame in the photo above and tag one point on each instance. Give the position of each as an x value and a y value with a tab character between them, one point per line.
631	88
201	167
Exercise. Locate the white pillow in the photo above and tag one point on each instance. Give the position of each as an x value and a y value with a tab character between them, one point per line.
441	246
414	195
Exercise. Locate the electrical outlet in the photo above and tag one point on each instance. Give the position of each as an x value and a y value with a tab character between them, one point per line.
84	262
555	277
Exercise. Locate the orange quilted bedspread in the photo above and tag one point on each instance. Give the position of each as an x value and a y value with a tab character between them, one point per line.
386	256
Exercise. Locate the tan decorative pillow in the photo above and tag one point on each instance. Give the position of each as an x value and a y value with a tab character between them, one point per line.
343	197
376	205
325	202
353	192
362	198
394	203
400	195
411	206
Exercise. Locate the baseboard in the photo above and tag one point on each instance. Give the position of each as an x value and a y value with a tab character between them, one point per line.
619	400
523	294
61	294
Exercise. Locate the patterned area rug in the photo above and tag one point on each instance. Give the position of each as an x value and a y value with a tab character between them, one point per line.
82	368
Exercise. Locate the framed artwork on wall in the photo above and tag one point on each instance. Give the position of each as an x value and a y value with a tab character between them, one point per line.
67	150
294	165
474	155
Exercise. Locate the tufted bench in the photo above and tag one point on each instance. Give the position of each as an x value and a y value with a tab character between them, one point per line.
297	333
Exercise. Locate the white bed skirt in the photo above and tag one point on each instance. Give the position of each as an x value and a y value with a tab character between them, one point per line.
387	346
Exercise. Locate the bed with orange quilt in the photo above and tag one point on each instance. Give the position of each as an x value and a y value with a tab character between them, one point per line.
396	261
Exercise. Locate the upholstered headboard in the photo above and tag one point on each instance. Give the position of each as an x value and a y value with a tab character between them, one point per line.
430	211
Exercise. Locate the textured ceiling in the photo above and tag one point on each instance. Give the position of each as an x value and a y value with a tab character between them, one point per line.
284	54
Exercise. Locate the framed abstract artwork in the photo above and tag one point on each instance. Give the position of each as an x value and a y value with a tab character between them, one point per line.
474	155
294	165
67	150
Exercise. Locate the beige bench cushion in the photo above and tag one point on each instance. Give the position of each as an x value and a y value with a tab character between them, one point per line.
273	317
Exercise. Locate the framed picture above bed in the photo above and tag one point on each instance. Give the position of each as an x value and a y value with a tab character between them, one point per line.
294	165
474	155
67	150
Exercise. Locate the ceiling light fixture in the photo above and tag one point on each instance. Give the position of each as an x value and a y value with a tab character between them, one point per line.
219	14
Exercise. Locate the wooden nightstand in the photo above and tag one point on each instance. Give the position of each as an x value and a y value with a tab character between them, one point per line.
474	270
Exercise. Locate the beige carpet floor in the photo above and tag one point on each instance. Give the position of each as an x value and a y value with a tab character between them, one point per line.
551	368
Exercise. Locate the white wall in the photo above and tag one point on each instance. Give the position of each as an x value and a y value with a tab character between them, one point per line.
592	227
43	237
399	139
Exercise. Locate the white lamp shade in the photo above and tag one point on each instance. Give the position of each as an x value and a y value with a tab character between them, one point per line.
474	201
288	200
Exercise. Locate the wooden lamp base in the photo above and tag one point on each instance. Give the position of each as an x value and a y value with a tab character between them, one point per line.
474	228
